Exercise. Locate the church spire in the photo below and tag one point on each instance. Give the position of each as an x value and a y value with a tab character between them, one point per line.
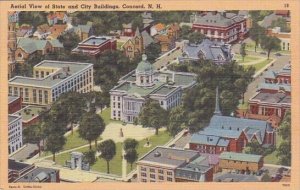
217	107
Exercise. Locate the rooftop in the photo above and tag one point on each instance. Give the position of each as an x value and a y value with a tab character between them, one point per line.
275	86
93	40
17	166
12	99
55	77
218	19
31	45
169	157
30	112
273	98
240	157
192	171
39	175
229	177
12	118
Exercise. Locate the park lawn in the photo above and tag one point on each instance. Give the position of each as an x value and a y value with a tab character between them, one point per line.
260	65
116	163
271	158
105	114
247	58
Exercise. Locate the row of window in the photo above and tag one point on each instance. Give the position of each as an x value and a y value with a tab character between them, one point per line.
153	170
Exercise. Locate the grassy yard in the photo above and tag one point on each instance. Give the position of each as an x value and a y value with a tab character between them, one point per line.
260	65
247	58
116	163
271	158
105	114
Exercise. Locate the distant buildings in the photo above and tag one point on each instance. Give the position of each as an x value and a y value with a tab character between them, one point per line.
269	19
57	18
285	37
30	115
13	18
225	133
42	32
239	161
135	46
27	47
220	26
127	30
25	31
273	98
218	53
15	139
96	45
51	79
25	173
83	31
163	164
128	97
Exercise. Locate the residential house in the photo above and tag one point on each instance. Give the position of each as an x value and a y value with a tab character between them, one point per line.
56	30
96	45
164	164
25	30
51	79
12	42
27	47
166	42
158	29
57	18
217	52
166	87
83	31
127	30
134	46
240	161
147	21
42	32
173	30
233	177
267	21
220	26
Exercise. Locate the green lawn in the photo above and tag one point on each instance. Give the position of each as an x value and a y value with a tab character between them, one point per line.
247	58
243	106
271	158
116	163
119	44
260	65
250	46
105	114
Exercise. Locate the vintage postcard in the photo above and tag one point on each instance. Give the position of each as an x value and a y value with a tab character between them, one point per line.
150	94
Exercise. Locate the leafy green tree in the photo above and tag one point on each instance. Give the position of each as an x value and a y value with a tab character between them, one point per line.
90	157
152	51
284	149
131	156
34	134
153	115
256	33
196	37
185	32
69	40
282	23
130	143
177	120
242	83
243	51
91	127
270	43
34	18
266	177
55	142
108	151
254	148
284	129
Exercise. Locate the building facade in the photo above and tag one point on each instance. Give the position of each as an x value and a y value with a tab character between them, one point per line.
14	104
15	139
94	46
164	164
135	46
12	42
220	26
128	97
284	37
51	79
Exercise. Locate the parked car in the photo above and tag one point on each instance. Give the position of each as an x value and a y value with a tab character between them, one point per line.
278	54
263	53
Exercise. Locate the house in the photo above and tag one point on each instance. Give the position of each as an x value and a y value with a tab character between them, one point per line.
25	31
267	21
284	37
83	31
165	41
42	32
57	18
164	164
173	30
127	30
158	29
51	79
240	161
56	30
14	104
232	134
27	47
220	26
218	53
30	114
134	46
133	89
273	98
15	135
96	45
147	21
19	172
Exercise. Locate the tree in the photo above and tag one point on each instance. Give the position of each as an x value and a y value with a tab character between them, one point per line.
282	23
254	148
130	143
131	156
69	40
34	134
91	127
270	43
284	129
55	143
153	115
185	32
89	157
284	149
108	151
152	51
196	37
242	83
243	51
177	120
256	33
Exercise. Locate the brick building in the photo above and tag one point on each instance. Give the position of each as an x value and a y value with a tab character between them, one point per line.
14	104
96	45
164	164
220	26
240	161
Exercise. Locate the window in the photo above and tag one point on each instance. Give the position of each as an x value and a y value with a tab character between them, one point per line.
46	96
34	95
40	96
144	180
169	179
161	177
10	90
143	174
143	169
15	91
119	98
169	173
152	170
152	176
161	171
119	105
36	74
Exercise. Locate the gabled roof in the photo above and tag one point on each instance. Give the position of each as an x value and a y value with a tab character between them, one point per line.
147	39
83	28
218	19
159	27
31	45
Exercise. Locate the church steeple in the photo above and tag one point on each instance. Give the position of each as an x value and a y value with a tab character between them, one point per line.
217	106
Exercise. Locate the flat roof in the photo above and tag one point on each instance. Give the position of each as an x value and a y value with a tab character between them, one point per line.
55	77
30	112
230	177
240	157
274	98
17	166
37	175
12	118
165	90
95	40
169	156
